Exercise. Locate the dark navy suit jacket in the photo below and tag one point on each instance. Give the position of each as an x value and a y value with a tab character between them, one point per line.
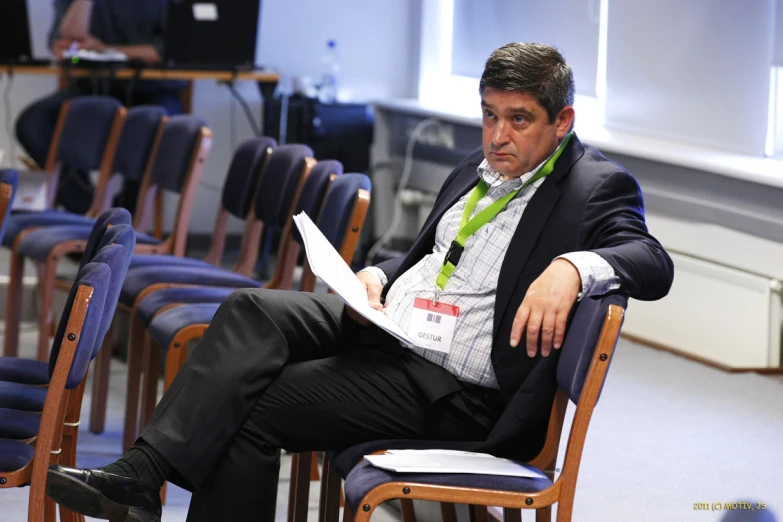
587	203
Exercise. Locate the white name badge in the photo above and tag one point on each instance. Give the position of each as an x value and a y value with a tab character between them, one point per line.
432	324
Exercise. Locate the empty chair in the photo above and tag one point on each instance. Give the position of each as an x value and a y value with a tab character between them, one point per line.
86	137
110	228
239	188
176	166
342	218
288	168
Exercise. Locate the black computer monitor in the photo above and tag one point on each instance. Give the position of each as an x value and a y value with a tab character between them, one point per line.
220	34
15	44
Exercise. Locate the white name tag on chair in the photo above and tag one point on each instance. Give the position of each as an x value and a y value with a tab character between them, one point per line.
32	193
432	324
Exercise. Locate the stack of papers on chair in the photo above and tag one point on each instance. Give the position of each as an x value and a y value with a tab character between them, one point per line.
450	461
326	263
32	193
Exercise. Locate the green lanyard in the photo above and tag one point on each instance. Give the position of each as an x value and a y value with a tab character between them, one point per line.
468	227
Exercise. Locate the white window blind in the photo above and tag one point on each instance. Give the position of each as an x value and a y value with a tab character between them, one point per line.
777	57
696	71
480	26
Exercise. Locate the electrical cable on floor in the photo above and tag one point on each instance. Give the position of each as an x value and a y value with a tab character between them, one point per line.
9	119
245	107
406	173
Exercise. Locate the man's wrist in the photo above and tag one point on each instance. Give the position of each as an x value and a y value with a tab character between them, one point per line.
377	272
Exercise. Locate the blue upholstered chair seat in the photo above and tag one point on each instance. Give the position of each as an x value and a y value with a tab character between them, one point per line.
15	455
141	277
146	239
364	477
19	425
22	396
153	302
166	325
20	221
165	260
27	371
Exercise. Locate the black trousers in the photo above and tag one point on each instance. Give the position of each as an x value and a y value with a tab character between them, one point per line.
290	370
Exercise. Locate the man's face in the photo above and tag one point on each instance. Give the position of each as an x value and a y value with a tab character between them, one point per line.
517	135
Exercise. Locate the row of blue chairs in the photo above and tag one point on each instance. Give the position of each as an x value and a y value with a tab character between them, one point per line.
282	176
39	422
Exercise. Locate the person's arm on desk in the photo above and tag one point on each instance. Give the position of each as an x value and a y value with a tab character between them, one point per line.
75	24
146	53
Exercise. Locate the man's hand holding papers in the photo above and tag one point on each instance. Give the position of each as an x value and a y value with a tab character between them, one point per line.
327	264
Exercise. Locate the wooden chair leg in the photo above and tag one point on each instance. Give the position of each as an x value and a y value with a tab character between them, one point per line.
545	514
478	513
47	304
512	515
347	514
299	492
135	359
100	383
13	306
408	513
331	493
314	475
448	512
150	386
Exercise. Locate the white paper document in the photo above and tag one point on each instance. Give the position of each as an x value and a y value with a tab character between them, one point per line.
327	264
32	192
450	461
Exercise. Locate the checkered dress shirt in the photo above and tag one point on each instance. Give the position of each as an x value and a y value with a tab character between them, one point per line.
472	285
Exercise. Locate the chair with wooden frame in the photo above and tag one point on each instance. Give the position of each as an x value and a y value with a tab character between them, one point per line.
176	165
243	175
33	371
341	220
140	128
85	320
151	290
85	137
581	373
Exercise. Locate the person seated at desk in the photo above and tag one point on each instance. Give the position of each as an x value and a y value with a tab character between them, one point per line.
133	27
543	222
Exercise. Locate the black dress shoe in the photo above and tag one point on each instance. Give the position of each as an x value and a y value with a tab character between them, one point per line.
97	494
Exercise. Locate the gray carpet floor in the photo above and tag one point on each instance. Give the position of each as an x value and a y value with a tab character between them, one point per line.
667	434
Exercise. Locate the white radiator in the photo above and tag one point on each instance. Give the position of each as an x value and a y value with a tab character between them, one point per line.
717	313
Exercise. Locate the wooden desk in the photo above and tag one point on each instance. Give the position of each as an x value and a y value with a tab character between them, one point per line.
266	80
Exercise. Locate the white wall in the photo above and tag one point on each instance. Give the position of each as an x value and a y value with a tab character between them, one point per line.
378	45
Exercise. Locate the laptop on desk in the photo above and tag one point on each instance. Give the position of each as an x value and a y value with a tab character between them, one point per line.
212	35
16	44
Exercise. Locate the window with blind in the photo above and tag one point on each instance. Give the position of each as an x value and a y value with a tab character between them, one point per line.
480	26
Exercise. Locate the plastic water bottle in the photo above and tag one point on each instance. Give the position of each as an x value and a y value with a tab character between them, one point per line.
331	63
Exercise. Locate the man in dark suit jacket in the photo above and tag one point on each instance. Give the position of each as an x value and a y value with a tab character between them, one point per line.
520	231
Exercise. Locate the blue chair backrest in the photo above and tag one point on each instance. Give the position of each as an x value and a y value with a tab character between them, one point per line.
96	276
86	130
10	178
579	344
242	177
338	206
312	195
112	217
175	151
278	185
124	236
136	141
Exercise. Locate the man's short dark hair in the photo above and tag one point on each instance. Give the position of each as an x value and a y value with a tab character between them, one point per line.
531	68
